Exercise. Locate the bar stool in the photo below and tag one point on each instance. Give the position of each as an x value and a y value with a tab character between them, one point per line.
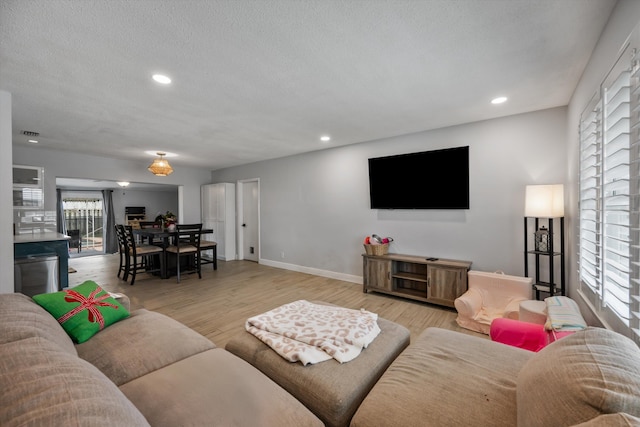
187	243
140	257
122	249
148	224
208	245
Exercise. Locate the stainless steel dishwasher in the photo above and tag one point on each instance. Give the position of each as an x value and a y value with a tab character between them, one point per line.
36	274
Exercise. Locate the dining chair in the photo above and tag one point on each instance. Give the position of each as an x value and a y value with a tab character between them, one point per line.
187	244
148	224
122	249
140	257
209	245
76	240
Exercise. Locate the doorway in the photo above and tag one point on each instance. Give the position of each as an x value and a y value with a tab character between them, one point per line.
248	204
83	216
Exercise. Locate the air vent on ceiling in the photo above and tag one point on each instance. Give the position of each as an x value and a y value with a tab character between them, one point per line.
30	133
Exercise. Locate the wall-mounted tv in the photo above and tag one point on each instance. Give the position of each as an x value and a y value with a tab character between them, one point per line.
437	179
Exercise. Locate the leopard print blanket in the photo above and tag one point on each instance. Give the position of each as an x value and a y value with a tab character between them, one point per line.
311	333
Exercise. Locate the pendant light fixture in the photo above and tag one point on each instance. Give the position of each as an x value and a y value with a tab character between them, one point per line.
160	166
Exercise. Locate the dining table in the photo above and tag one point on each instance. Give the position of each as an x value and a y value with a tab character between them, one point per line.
162	237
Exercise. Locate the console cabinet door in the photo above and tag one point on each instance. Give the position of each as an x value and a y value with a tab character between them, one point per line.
445	284
377	274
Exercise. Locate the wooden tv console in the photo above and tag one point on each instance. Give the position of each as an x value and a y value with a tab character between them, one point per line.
432	280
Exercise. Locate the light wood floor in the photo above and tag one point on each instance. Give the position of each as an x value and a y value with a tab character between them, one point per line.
218	304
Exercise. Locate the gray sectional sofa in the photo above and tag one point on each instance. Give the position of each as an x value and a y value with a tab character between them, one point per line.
151	370
145	370
445	378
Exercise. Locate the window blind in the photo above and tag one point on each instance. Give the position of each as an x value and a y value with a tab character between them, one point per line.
634	193
590	179
609	242
615	172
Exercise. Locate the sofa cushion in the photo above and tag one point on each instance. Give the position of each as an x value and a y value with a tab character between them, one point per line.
21	317
83	311
43	385
446	378
579	377
233	394
140	344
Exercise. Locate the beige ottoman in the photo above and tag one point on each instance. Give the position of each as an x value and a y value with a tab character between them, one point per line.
533	311
332	391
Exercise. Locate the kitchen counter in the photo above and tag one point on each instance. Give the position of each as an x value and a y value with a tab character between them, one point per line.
44	236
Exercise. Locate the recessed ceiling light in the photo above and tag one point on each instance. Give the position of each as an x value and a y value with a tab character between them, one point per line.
499	100
33	141
325	138
161	78
123	183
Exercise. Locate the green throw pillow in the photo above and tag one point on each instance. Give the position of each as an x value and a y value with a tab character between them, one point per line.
83	310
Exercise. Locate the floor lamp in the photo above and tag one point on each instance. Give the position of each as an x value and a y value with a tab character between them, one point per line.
546	202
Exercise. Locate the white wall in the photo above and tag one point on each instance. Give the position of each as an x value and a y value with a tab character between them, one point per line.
70	165
154	202
6	195
315	206
624	18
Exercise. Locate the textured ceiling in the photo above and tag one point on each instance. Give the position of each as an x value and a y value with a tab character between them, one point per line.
254	80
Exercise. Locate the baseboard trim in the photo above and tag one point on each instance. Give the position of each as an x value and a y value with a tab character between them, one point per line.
310	270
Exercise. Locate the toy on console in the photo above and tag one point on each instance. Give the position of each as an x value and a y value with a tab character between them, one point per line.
376	245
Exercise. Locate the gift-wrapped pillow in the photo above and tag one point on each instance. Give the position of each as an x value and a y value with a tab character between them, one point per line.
82	311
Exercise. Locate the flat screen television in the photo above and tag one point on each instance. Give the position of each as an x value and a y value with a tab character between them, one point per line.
437	179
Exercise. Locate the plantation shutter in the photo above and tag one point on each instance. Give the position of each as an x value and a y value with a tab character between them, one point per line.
615	180
609	195
590	182
634	193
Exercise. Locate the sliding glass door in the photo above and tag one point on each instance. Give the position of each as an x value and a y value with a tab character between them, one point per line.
86	215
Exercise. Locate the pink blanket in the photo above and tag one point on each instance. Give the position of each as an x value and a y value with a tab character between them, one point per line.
312	333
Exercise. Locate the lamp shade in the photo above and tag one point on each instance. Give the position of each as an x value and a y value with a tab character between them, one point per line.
160	166
544	201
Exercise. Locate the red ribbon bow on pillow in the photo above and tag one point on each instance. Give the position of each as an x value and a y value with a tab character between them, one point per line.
87	303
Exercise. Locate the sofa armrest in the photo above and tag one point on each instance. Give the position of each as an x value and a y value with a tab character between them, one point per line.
469	303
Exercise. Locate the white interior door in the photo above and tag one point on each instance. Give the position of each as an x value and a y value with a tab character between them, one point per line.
249	225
